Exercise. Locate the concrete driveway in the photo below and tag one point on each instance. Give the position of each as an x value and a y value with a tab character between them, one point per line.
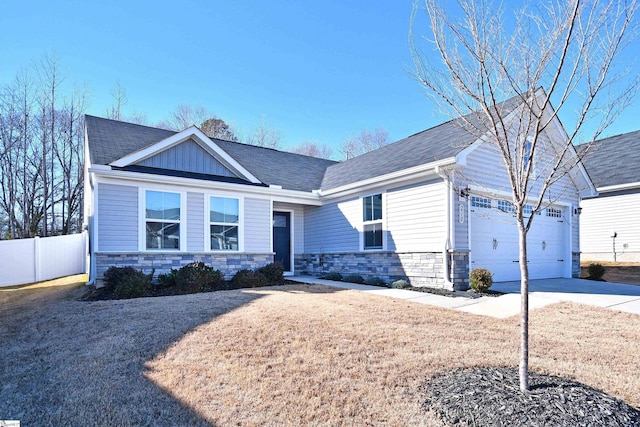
541	292
615	296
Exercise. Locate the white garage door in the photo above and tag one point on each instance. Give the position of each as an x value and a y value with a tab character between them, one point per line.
494	241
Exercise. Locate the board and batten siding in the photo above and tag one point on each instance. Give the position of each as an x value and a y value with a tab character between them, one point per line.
195	222
415	218
602	216
257	225
117	225
333	227
187	156
298	224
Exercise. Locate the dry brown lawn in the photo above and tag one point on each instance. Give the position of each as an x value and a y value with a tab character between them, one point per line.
290	355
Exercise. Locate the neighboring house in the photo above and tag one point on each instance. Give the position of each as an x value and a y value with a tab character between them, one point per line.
427	208
610	230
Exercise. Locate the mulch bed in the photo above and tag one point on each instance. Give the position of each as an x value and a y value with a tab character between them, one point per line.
492	397
464	294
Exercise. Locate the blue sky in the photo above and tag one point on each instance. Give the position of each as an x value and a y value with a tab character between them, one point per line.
317	71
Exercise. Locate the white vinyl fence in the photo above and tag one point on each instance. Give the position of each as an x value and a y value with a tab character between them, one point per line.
33	260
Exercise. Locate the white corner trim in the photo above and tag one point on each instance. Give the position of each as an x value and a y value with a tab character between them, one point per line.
191	132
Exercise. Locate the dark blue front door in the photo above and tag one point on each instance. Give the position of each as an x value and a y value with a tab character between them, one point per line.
282	238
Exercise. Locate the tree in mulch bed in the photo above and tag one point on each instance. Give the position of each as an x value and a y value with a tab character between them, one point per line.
492	397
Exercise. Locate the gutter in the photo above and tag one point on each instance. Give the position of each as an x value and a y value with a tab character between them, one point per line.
445	174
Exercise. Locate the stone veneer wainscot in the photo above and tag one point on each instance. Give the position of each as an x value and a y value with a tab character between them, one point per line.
227	263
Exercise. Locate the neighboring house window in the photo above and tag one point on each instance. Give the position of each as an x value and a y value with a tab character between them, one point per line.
224	223
528	210
162	220
480	202
505	206
555	213
372	221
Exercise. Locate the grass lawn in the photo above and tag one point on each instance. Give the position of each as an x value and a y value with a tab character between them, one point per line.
290	355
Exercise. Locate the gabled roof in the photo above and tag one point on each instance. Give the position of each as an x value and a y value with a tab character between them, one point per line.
437	143
111	140
614	160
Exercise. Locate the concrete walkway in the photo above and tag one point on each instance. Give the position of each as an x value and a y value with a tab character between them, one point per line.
542	292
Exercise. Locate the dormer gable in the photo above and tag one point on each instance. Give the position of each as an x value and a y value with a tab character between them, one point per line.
187	151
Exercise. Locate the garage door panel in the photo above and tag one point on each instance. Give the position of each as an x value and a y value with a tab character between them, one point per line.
494	245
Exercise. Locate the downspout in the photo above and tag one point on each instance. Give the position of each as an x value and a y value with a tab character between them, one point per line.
91	237
448	228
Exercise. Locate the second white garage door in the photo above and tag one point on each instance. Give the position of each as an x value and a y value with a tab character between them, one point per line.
494	241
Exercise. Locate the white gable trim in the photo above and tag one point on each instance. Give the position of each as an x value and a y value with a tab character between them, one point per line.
200	138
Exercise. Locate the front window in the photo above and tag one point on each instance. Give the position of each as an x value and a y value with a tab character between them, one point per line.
372	221
224	221
162	220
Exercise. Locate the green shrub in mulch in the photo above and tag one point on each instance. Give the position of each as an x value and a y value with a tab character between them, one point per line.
480	279
400	284
337	277
273	272
375	281
353	278
127	282
249	279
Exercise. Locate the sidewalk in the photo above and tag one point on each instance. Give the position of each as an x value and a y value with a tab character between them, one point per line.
543	292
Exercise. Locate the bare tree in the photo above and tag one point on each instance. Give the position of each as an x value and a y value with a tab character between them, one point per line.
313	149
365	142
119	94
185	116
264	135
215	127
563	51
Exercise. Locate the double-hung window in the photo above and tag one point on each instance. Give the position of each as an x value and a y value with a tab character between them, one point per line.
162	220
224	223
372	222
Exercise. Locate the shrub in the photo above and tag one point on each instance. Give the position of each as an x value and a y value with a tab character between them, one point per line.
127	282
167	280
400	284
332	276
596	271
273	272
353	278
197	277
375	281
480	279
249	279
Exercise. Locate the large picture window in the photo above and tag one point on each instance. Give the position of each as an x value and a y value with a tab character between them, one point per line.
372	221
224	222
162	220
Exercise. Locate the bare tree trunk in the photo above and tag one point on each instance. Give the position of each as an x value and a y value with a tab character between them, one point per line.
524	306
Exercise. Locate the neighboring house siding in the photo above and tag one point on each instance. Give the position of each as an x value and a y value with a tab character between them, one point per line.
333	227
415	218
601	217
187	156
298	224
117	218
257	225
195	222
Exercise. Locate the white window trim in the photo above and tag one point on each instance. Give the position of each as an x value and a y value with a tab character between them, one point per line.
382	221
207	223
142	219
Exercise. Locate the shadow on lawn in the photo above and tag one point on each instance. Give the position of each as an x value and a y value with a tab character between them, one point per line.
69	362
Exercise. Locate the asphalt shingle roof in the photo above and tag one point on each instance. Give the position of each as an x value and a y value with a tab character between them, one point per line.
110	140
614	160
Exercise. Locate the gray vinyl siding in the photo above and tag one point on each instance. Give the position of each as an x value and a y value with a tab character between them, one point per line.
190	157
257	225
415	218
298	224
333	227
117	218
195	222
